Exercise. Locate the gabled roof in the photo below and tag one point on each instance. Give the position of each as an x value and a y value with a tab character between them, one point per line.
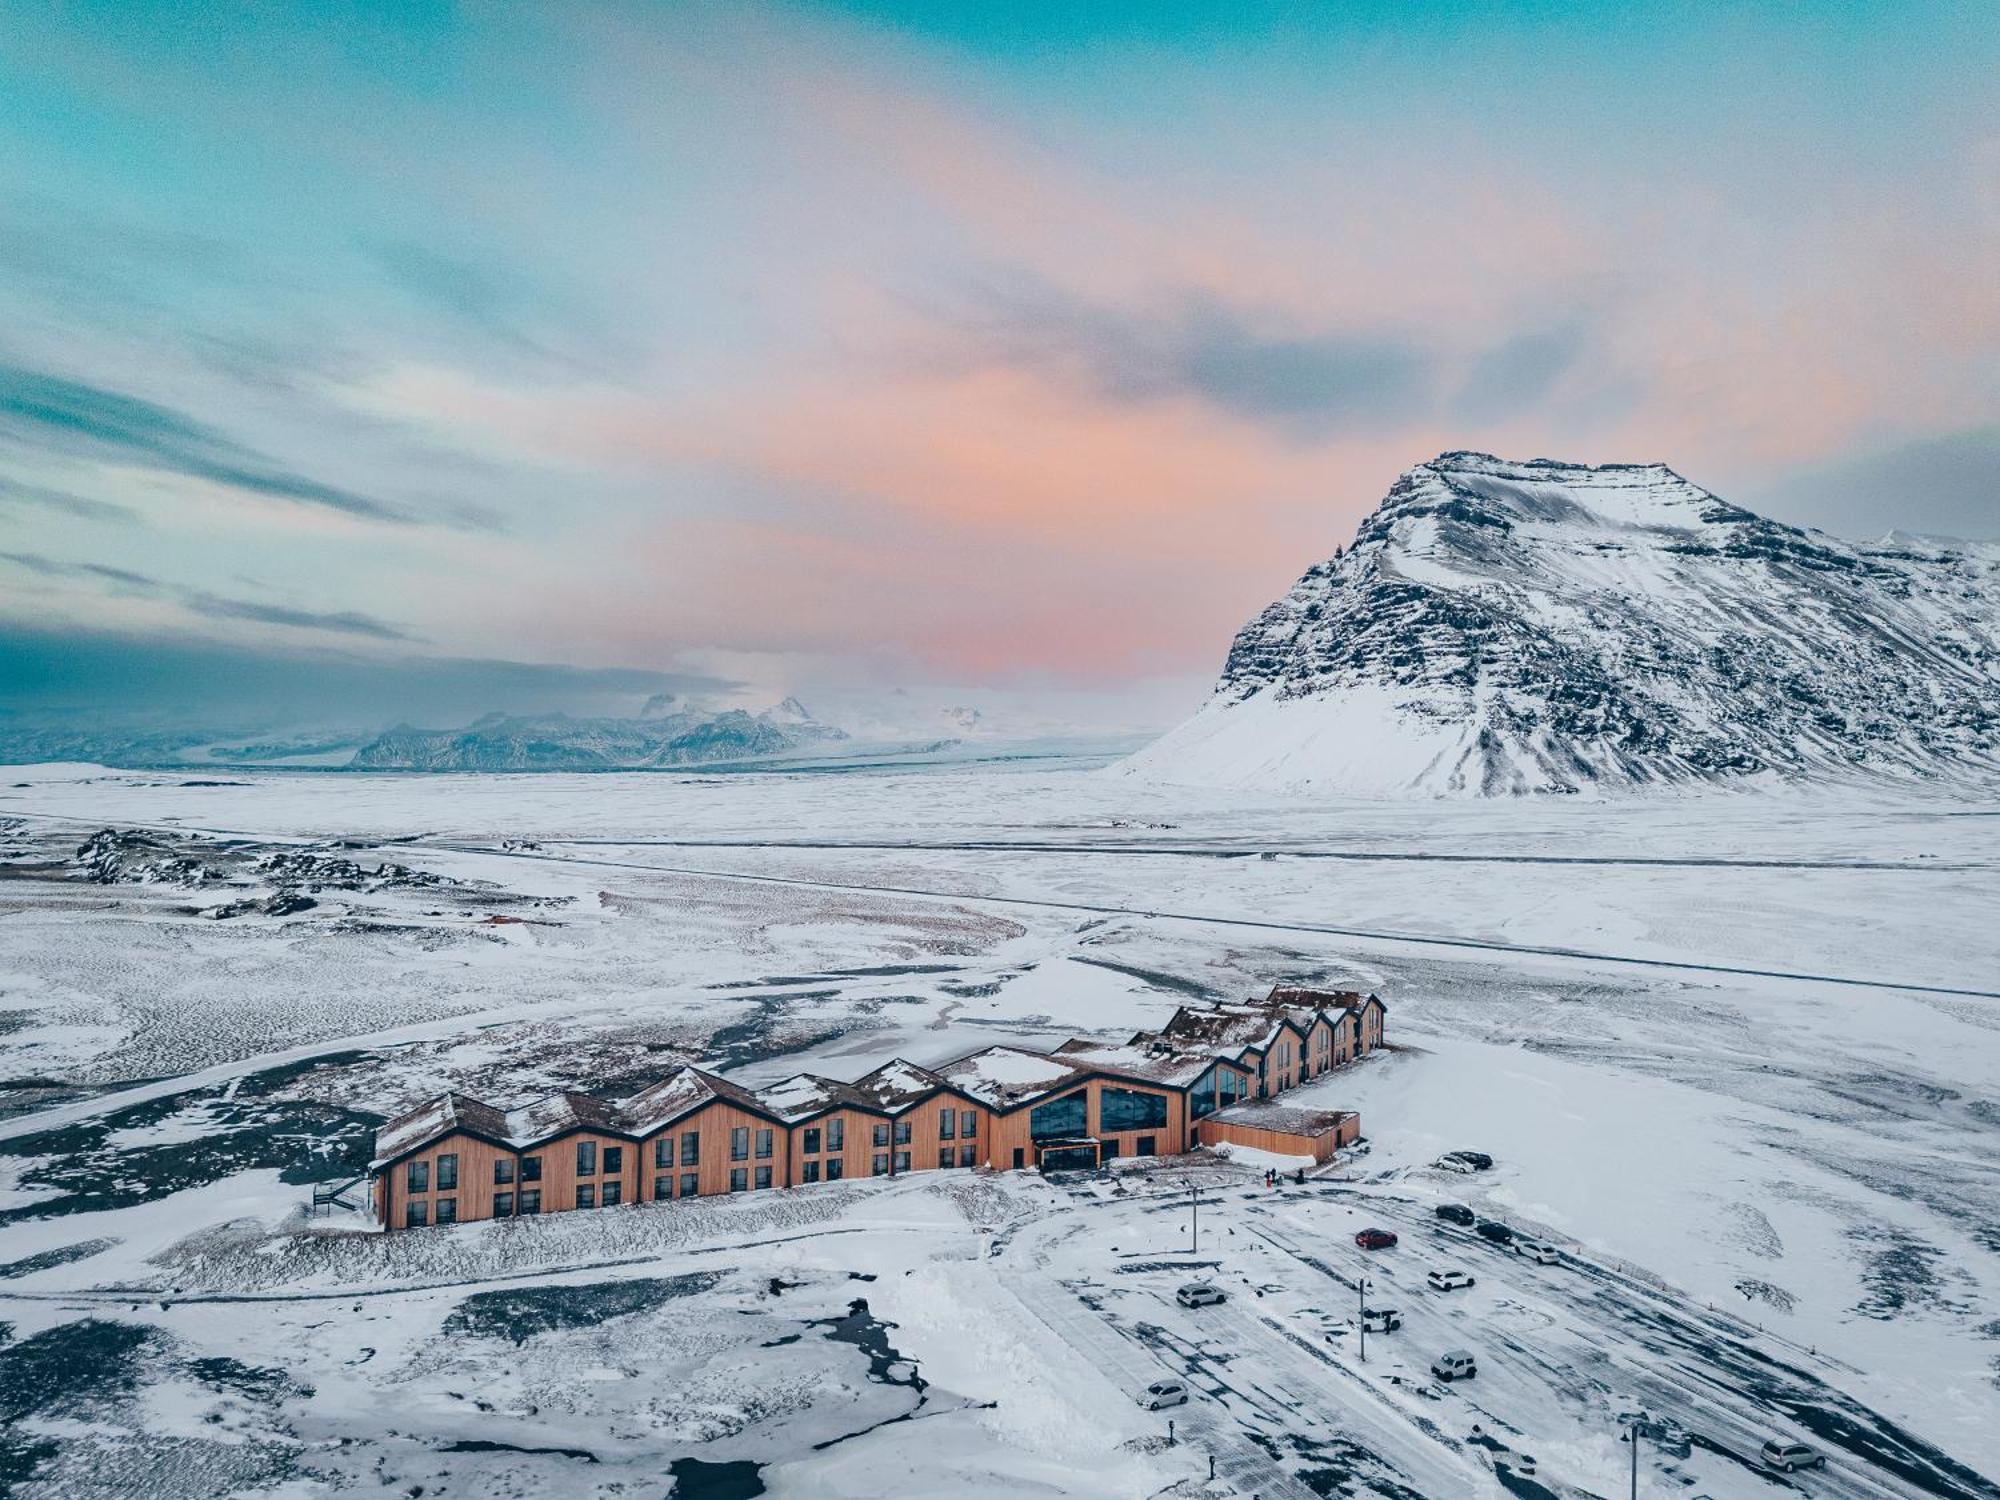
681	1092
1002	1077
434	1119
804	1095
1309	998
897	1084
555	1113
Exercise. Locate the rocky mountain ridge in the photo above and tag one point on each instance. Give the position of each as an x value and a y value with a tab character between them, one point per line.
1501	627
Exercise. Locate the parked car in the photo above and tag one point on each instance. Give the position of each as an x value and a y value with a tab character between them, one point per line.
1539	1253
1494	1230
1200	1294
1164	1393
1780	1454
1381	1319
1448	1281
1456	1213
1472	1161
1450	1163
1455	1364
1669	1437
1375	1239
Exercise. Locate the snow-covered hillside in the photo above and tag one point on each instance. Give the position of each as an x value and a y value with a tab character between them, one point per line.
1501	628
556	742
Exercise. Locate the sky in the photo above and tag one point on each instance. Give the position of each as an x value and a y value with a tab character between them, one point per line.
930	352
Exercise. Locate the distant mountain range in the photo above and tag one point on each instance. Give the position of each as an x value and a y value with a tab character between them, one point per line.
1501	628
660	738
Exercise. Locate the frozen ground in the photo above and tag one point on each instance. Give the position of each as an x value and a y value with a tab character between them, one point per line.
1736	1055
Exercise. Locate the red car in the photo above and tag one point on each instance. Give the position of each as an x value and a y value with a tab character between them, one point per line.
1375	1239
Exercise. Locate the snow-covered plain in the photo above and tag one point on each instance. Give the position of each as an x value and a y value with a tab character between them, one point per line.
1735	1054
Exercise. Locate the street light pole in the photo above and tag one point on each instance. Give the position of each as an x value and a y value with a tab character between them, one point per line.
1633	1435
1194	1202
1361	1309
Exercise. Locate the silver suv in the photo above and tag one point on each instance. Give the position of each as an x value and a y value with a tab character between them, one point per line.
1789	1456
1199	1294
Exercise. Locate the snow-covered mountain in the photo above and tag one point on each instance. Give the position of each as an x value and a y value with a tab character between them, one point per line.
1503	628
557	742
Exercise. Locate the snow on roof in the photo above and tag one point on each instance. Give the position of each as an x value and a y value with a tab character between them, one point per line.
897	1084
1002	1076
1262	1115
433	1119
1305	997
558	1112
673	1096
806	1094
1157	1063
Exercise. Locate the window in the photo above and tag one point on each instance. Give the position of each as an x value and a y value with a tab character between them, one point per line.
447	1210
739	1143
812	1171
739	1179
531	1169
419	1177
531	1201
902	1161
1128	1109
764	1145
944	1156
947	1124
968	1156
836	1135
763	1177
690	1185
416	1214
503	1205
586	1158
503	1169
880	1166
1020	1158
663	1186
586	1195
614	1158
1108	1151
1059	1118
691	1148
902	1132
448	1171
835	1169
812	1141
1148	1145
614	1194
663	1151
882	1133
968	1123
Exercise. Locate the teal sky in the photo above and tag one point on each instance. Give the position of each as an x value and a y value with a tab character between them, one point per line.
964	348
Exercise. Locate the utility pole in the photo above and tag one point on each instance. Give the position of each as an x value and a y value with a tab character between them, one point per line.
1361	1308
1633	1436
1194	1202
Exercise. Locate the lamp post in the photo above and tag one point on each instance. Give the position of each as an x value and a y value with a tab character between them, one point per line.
1194	1202
1361	1311
1633	1438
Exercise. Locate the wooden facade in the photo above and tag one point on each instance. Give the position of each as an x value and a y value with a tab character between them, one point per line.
705	1137
1319	1143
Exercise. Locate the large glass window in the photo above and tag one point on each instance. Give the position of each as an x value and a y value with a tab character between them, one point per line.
763	1177
764	1144
968	1123
586	1195
902	1161
739	1143
691	1149
614	1194
503	1205
503	1169
663	1186
663	1151
835	1169
812	1141
739	1180
880	1165
586	1158
947	1124
614	1158
447	1210
531	1201
836	1135
417	1214
1059	1118
690	1184
1128	1109
902	1132
882	1134
531	1169
419	1177
968	1156
447	1171
812	1171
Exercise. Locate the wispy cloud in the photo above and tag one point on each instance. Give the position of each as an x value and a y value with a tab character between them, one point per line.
13	492
81	420
214	606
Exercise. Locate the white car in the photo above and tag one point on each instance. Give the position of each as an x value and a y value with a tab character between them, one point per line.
1453	1164
1455	1364
1164	1393
1540	1254
1449	1281
1199	1294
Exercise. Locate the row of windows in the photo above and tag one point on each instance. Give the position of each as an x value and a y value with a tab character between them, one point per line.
690	1149
586	1158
